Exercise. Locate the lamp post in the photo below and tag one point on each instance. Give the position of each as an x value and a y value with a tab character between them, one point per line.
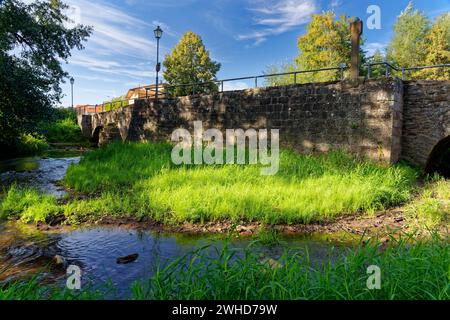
72	81
158	34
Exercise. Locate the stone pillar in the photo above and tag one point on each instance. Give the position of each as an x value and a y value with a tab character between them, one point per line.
356	28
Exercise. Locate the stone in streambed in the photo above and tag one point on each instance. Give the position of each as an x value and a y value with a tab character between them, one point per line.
127	259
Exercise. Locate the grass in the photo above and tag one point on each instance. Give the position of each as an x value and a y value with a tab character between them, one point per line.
28	205
432	208
138	180
411	269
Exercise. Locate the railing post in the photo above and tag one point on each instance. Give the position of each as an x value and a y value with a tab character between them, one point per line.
222	86
256	82
403	73
341	67
295	78
387	70
193	90
369	71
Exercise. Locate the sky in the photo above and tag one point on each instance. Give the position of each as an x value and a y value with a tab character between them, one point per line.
245	36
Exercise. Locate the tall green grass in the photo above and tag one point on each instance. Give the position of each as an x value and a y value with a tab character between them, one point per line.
432	207
139	180
411	269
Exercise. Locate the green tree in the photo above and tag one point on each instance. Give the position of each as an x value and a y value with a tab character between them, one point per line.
34	40
408	45
282	80
188	63
327	43
377	70
437	50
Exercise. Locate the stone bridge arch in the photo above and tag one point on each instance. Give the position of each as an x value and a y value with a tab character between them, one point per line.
439	159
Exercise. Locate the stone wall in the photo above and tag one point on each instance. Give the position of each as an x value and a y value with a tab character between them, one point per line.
363	117
426	118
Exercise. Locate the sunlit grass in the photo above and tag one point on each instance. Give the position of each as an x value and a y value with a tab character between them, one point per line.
432	207
139	180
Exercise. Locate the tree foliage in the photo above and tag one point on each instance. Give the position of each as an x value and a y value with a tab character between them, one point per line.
35	39
408	45
327	43
437	50
188	63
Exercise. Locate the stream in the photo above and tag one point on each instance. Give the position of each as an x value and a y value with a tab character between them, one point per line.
24	250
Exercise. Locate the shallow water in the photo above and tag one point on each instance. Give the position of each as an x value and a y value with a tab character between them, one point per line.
95	251
40	173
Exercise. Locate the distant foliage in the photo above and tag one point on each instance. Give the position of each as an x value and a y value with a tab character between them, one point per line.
188	63
408	45
34	41
437	50
419	42
326	43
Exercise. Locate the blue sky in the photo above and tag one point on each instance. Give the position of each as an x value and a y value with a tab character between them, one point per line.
245	36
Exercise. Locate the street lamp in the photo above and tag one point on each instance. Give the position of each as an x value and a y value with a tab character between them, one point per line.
72	81
158	34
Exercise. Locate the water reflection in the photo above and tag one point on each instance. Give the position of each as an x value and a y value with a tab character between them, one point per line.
40	173
96	251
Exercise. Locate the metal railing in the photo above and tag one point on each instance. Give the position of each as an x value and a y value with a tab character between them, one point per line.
220	83
388	67
104	107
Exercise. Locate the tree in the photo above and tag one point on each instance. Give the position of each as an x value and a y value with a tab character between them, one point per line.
377	70
408	45
282	80
437	50
327	43
34	39
190	63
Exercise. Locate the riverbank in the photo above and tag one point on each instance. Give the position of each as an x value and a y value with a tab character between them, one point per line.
139	181
137	185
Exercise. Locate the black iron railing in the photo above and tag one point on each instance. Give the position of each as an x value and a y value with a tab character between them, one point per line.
389	70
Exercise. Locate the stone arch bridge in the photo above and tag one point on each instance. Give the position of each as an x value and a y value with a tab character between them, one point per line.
385	119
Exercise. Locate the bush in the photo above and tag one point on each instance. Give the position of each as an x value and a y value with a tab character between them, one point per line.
29	145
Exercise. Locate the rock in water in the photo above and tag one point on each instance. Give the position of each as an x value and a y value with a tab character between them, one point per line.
60	261
127	259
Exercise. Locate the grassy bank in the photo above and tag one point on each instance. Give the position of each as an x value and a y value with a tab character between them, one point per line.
139	180
60	127
417	270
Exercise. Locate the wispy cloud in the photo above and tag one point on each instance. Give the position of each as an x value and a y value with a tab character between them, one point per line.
372	47
120	50
166	28
335	4
276	17
232	86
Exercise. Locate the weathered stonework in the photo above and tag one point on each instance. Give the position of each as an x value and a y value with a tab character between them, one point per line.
426	119
365	117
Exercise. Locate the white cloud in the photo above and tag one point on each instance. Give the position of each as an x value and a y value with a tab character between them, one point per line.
232	86
335	4
277	17
166	29
373	47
